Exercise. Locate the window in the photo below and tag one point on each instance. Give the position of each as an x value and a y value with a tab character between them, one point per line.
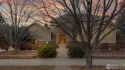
53	36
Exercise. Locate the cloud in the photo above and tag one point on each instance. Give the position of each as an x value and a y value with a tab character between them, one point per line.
39	14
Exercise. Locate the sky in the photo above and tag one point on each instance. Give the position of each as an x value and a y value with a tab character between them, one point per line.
5	9
37	13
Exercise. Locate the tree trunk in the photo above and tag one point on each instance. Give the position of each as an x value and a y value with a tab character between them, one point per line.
89	61
15	48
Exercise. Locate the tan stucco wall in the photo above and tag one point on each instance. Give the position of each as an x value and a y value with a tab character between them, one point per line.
111	38
41	32
46	35
59	32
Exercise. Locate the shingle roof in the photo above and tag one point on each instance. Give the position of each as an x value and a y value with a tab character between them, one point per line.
69	17
40	26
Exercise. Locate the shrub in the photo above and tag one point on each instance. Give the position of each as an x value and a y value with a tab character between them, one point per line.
27	46
75	51
47	51
4	44
68	45
37	45
115	46
54	44
104	46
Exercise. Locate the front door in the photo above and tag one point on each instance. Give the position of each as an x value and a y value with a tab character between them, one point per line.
62	39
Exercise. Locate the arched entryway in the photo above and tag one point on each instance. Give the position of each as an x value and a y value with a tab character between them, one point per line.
62	39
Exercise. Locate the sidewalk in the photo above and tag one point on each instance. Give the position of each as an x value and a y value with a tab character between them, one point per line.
35	62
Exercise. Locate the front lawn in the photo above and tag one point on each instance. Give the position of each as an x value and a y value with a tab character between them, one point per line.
27	67
21	54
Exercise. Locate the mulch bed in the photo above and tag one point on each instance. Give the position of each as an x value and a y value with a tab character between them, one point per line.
109	54
32	54
22	54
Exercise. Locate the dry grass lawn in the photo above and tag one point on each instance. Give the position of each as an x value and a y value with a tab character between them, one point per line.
23	54
43	67
94	68
26	67
20	52
31	54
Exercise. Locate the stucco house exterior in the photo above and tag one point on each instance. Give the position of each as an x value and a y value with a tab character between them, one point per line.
40	33
56	35
110	38
43	34
59	37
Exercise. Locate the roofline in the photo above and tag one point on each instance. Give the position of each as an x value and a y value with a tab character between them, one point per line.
40	26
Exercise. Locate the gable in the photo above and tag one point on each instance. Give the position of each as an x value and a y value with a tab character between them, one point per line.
37	25
41	32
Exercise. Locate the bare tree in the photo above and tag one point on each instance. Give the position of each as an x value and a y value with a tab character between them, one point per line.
16	14
1	2
3	43
121	22
89	27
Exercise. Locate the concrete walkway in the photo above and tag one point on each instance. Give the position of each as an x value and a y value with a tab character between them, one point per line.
60	67
62	51
62	54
